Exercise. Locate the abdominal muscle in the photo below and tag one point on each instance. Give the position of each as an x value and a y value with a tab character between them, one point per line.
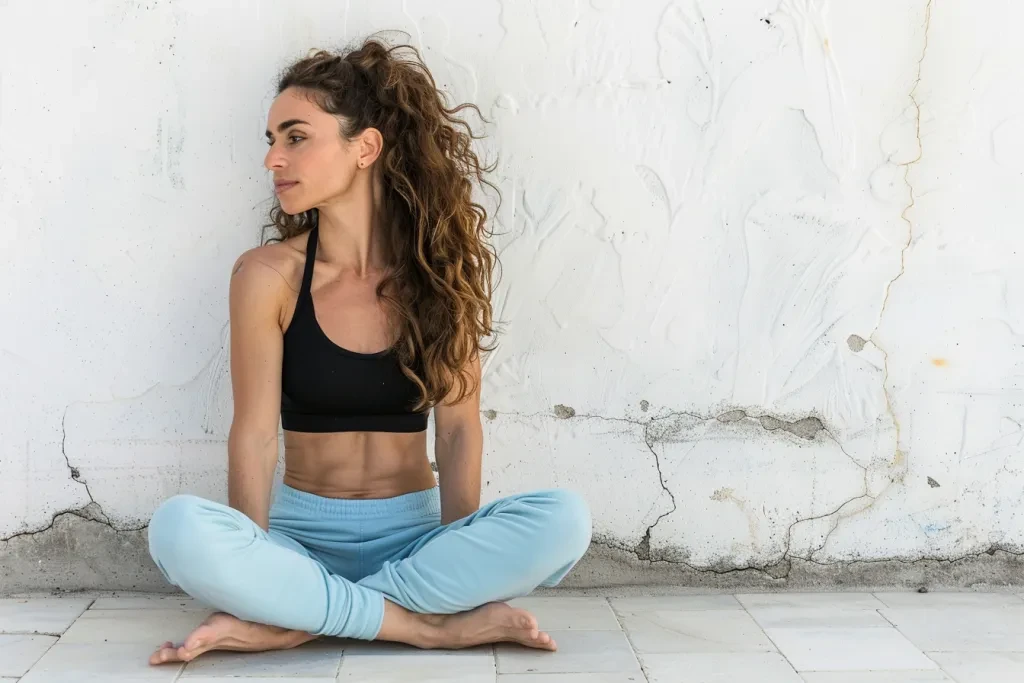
357	465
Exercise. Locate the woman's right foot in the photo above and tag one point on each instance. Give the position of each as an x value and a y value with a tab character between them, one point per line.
494	622
224	632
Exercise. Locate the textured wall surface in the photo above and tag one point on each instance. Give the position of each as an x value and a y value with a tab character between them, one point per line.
762	277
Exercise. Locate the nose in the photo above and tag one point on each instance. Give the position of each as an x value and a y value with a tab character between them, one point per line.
274	159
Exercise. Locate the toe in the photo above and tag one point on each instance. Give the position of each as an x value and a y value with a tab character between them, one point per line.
198	642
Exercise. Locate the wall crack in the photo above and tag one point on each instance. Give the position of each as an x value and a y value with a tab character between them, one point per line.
91	512
781	570
643	549
899	457
805	428
76	473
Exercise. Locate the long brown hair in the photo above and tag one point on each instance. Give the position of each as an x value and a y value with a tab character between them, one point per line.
438	287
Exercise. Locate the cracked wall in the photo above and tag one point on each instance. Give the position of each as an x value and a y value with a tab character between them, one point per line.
762	289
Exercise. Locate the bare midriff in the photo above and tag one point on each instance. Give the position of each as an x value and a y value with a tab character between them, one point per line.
358	465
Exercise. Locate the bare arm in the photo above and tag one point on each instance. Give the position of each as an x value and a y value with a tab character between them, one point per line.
256	350
458	448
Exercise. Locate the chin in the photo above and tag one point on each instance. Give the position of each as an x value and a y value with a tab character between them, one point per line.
293	208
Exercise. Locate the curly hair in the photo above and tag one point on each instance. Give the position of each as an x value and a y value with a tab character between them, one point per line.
437	289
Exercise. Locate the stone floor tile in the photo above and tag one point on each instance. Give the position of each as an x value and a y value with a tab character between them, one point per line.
150	602
316	659
817	617
681	603
362	648
19	652
848	649
578	652
961	629
417	668
151	626
261	679
982	667
570	614
819	600
720	667
709	631
100	663
676	603
913	599
877	677
44	616
631	677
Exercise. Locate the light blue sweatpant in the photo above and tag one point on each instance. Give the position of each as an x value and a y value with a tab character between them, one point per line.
327	564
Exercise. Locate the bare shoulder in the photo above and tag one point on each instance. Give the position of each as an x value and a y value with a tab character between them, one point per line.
275	267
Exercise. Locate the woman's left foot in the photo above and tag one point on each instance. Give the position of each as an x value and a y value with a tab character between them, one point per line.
224	632
495	622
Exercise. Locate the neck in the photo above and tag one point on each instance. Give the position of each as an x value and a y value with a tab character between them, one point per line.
351	235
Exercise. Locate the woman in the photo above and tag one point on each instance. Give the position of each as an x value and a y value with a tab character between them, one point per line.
364	316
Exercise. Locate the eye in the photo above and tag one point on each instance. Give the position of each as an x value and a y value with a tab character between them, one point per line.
270	143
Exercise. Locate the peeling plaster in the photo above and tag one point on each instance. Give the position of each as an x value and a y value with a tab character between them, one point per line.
564	412
805	428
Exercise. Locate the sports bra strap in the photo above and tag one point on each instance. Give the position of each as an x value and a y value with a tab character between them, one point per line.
307	273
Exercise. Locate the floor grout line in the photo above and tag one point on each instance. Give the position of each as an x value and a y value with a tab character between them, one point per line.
341	663
778	650
625	632
897	629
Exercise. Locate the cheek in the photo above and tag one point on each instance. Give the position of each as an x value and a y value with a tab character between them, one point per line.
332	173
324	172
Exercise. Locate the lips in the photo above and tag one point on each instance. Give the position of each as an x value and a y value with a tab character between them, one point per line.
282	185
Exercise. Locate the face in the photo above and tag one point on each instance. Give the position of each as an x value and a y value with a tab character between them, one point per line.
311	162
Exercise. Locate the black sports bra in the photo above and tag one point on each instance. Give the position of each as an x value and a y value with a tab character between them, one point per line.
325	388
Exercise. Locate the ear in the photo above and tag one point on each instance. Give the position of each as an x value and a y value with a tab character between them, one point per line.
370	144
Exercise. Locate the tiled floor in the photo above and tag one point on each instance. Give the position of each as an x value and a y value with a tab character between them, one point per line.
754	638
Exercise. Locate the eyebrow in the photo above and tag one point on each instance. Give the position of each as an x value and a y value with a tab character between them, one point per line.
284	125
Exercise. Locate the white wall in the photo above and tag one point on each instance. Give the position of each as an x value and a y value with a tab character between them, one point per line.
718	215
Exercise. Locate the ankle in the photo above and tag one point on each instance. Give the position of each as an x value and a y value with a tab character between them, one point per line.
430	631
302	637
284	637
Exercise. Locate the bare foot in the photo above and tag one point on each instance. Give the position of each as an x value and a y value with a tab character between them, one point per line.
224	632
494	622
